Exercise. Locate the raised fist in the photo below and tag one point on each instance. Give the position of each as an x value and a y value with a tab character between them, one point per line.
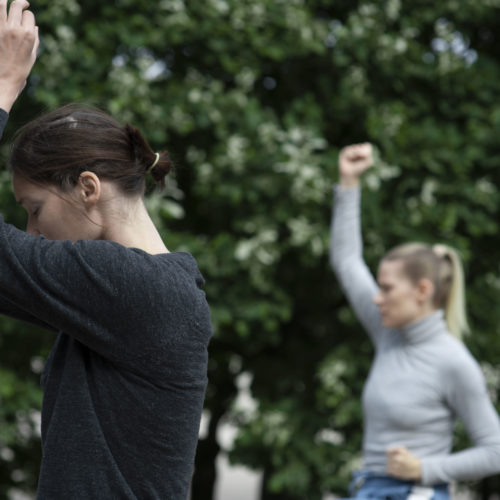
354	160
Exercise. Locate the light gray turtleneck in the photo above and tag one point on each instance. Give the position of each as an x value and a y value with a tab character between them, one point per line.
422	378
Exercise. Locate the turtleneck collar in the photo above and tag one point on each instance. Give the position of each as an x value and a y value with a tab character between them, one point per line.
425	328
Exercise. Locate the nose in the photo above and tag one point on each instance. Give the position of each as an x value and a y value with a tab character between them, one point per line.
377	298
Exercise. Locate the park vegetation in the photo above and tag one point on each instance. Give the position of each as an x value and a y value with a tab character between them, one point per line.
254	99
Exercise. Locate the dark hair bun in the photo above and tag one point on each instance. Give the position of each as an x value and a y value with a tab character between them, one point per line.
158	164
160	167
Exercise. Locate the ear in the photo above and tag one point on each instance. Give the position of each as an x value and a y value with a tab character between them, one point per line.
425	290
89	188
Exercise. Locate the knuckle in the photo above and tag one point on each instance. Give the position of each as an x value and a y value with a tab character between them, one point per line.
29	35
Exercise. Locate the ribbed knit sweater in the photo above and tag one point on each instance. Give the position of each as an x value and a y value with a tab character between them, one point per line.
125	382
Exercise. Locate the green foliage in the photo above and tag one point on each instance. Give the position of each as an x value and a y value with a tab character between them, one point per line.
254	100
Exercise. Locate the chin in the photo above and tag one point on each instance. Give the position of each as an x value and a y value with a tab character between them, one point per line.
388	323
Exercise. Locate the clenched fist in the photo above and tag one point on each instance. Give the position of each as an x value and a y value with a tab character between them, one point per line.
353	161
18	48
401	463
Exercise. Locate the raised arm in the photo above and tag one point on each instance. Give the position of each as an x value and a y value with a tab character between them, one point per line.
346	246
18	48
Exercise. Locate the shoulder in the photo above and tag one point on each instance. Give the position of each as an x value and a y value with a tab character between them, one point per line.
133	268
459	367
455	353
113	255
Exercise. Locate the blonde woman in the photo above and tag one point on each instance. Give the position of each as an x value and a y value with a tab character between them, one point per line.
423	377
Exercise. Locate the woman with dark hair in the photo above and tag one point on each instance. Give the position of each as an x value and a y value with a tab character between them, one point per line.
423	377
125	382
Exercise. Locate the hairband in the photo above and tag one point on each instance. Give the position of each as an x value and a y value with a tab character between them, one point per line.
148	170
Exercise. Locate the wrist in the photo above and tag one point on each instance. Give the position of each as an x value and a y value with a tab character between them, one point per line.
8	94
349	181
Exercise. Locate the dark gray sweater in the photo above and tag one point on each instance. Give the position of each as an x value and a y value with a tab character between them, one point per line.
125	382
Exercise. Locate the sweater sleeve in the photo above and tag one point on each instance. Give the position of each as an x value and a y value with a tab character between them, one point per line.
346	258
4	116
110	298
468	396
7	307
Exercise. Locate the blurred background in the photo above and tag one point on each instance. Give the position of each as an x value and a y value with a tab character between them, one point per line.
254	99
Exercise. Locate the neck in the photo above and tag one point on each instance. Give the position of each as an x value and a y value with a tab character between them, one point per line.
424	313
427	327
133	230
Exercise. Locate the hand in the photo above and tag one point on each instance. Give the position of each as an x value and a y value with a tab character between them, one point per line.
402	464
353	161
18	47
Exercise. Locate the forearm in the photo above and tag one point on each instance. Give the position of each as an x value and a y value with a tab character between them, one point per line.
345	236
468	465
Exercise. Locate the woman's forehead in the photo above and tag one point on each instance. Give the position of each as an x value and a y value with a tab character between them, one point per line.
391	269
25	190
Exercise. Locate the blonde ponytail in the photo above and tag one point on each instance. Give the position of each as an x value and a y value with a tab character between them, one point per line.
456	316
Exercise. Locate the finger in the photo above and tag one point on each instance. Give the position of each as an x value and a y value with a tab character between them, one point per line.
37	43
28	19
3	11
356	155
361	146
15	15
394	449
363	149
366	148
345	153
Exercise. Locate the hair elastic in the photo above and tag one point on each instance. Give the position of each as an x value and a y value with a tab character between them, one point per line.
154	163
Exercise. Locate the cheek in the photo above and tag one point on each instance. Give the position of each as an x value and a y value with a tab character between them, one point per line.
405	304
399	300
52	224
45	228
394	297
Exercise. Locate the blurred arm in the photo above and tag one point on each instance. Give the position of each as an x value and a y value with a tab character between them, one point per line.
346	258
